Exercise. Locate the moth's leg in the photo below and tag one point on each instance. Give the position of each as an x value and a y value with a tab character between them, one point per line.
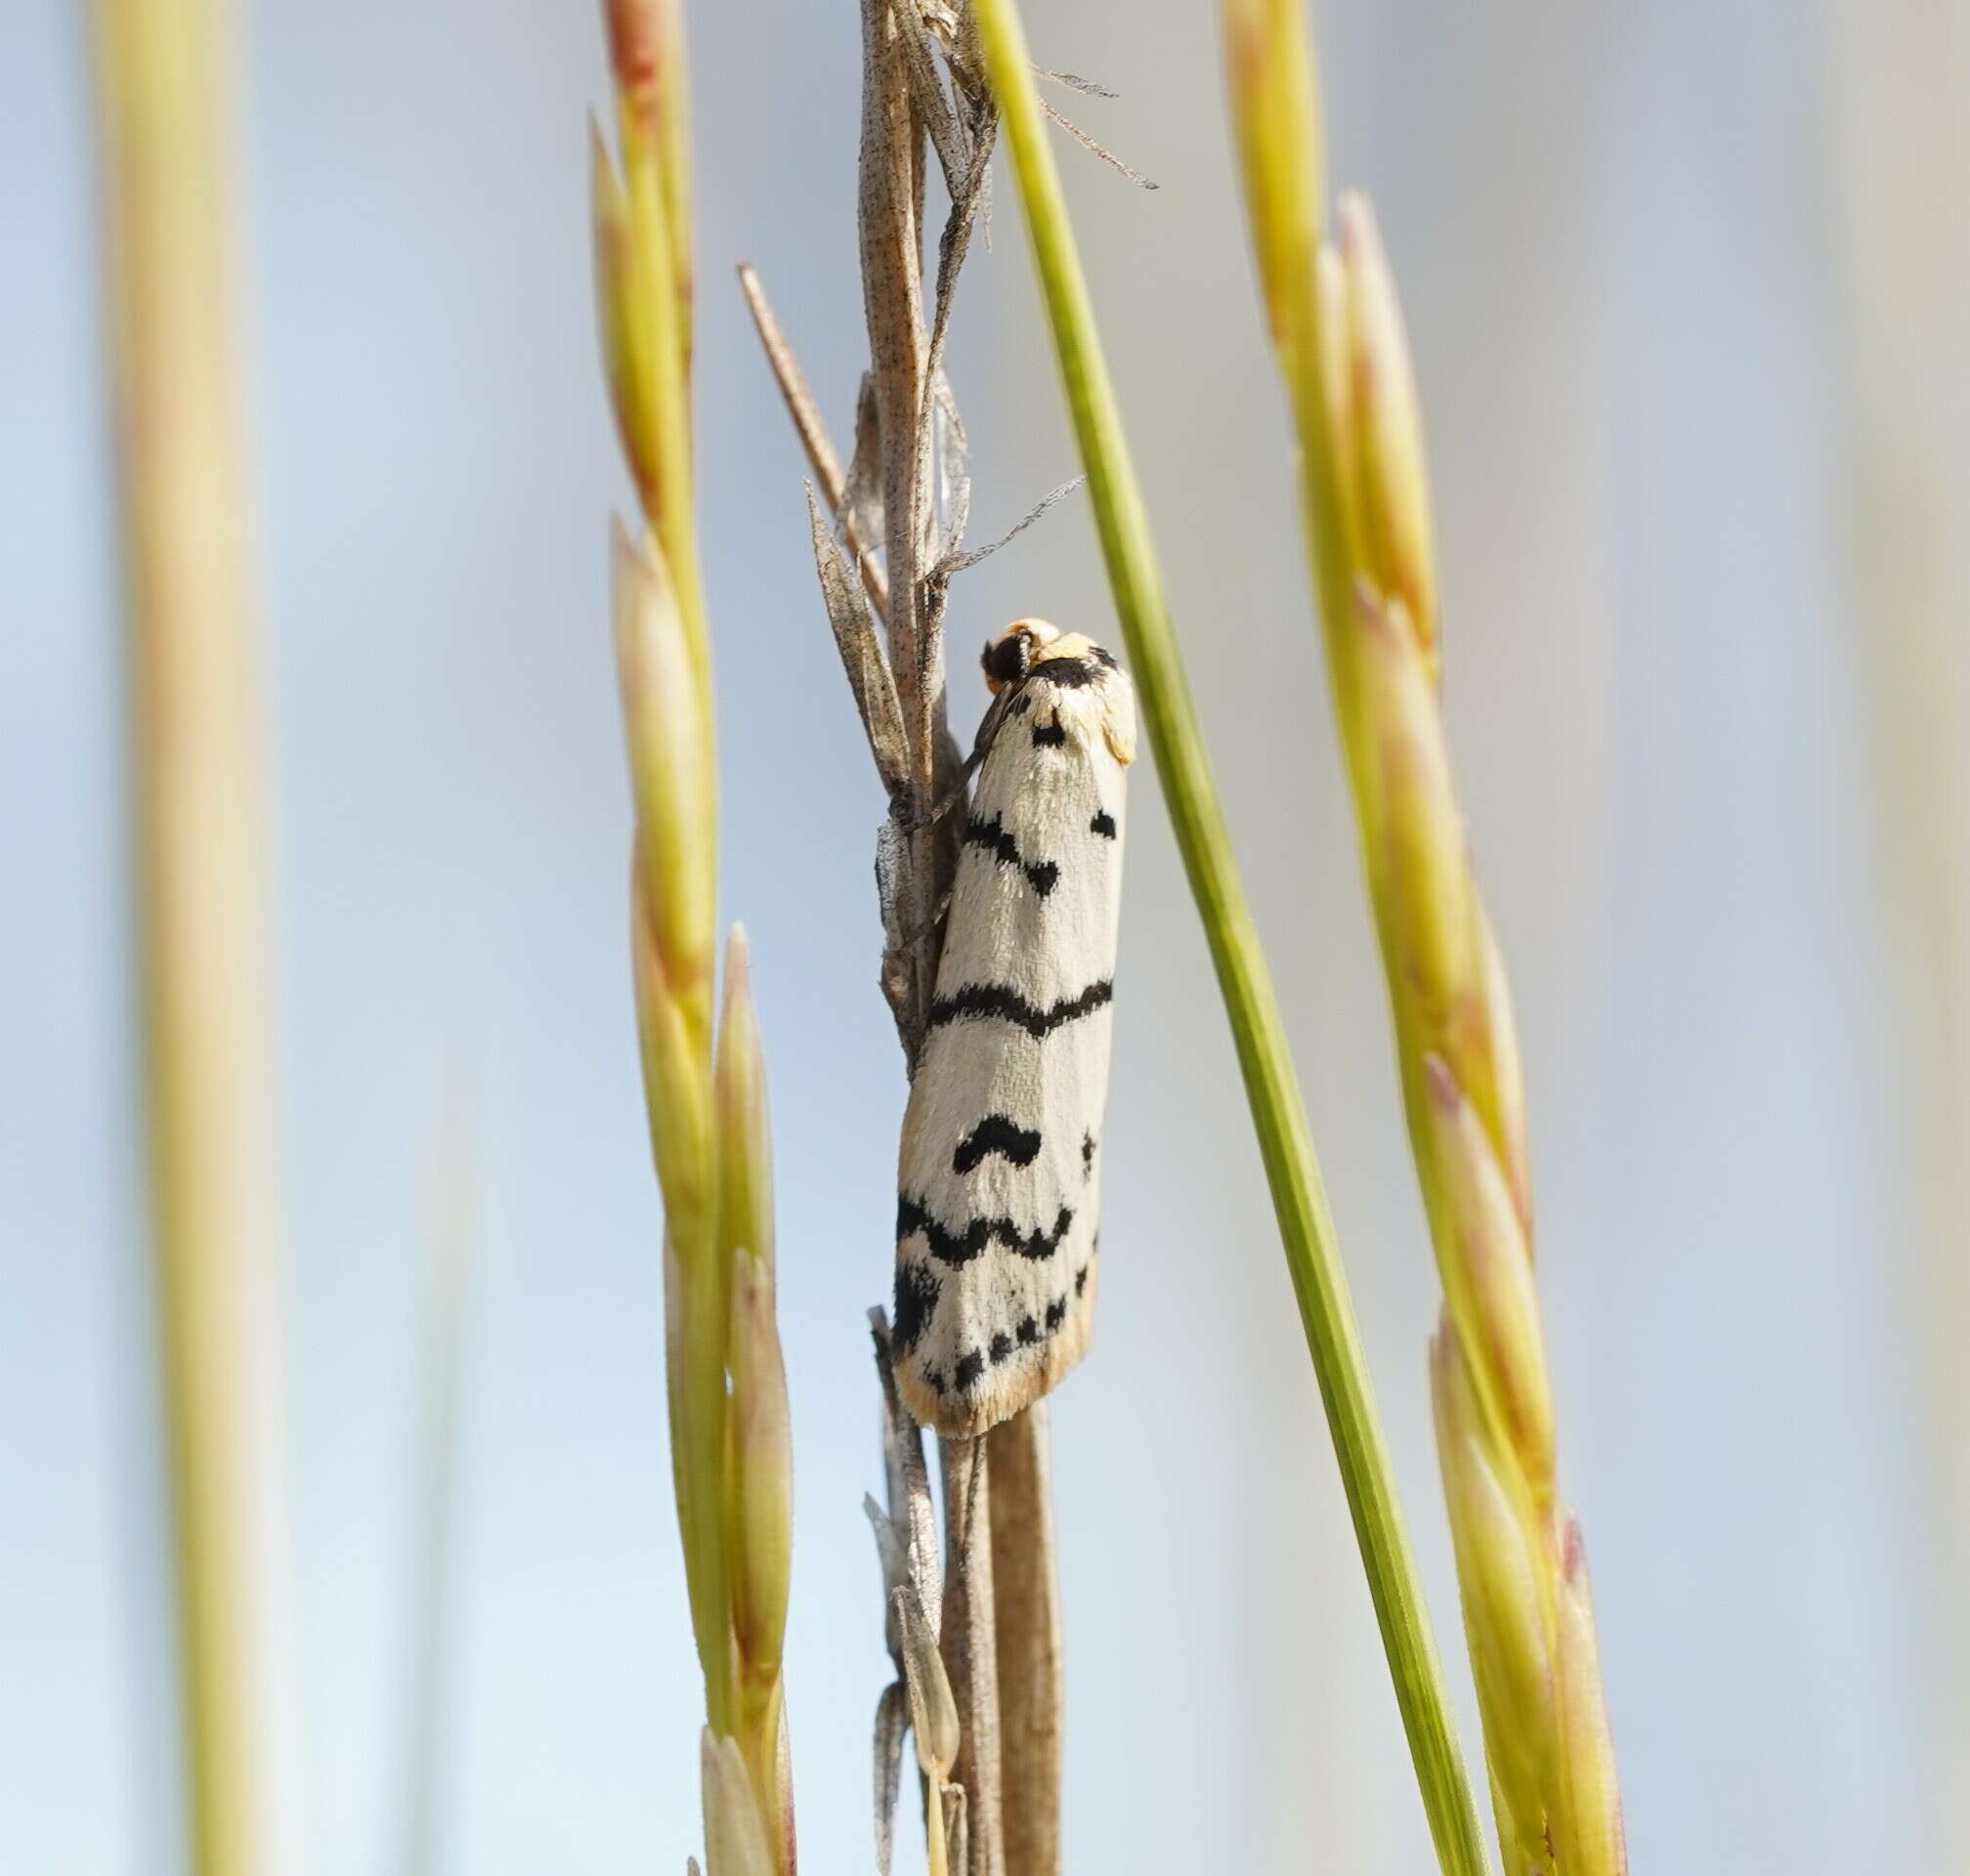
952	800
937	916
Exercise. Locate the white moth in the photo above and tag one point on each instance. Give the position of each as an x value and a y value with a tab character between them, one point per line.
1000	1180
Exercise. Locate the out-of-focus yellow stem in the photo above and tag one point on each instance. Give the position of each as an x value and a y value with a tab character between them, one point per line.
162	101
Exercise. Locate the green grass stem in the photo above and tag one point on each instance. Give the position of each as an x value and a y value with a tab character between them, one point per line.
1197	816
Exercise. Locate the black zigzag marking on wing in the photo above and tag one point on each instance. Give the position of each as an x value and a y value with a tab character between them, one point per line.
1042	875
1001	999
1051	735
996	1133
956	1248
916	1301
1103	824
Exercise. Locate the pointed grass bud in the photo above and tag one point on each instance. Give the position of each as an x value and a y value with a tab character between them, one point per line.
1498	1575
645	49
1275	109
933	1710
1336	393
676	1086
638	42
1393	487
619	287
1487	1276
735	1840
667	710
1588	1834
745	1135
1417	850
760	1508
760	1528
1488	1063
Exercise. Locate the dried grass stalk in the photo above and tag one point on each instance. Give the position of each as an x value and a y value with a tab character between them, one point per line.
906	486
1027	1598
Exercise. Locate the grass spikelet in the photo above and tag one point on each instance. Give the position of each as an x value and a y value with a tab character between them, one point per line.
703	1081
1345	361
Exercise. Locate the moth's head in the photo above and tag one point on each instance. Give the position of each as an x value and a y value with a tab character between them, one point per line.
1010	657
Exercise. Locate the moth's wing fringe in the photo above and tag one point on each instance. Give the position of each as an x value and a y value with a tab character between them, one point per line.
1003	1391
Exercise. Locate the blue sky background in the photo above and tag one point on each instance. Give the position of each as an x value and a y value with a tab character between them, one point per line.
1628	244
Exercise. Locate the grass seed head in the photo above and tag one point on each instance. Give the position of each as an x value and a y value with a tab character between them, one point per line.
1418	830
1504	1615
667	715
760	1528
1391	486
1487	1278
1588	1834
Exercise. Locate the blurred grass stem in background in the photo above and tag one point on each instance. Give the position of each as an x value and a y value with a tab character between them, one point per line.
1520	1564
1278	1113
195	790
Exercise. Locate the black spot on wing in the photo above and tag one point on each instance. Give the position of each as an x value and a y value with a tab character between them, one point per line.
1042	875
956	1248
1051	735
1029	1334
1087	1154
982	1000
1103	824
996	1133
915	1303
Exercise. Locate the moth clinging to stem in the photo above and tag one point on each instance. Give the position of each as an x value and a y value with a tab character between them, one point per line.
998	1183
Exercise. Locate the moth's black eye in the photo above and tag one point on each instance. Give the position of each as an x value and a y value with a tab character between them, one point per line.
1006	660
